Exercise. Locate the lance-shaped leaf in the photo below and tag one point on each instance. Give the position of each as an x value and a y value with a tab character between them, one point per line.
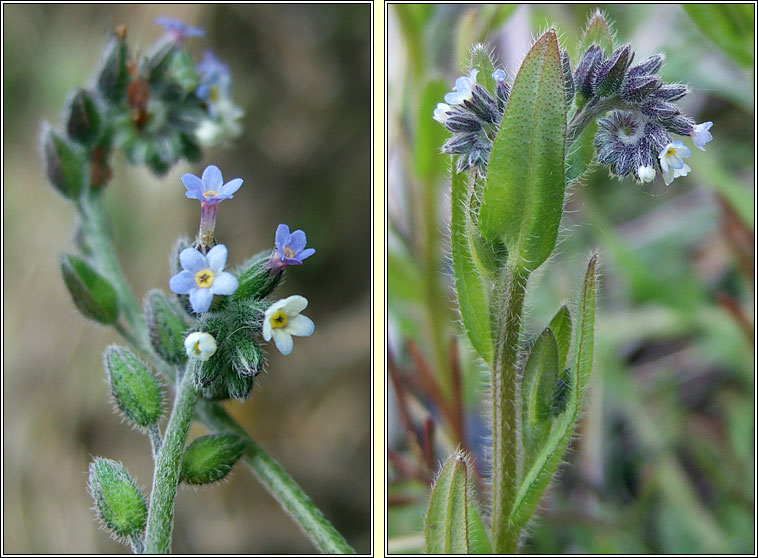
452	524
481	60
560	325
538	386
597	32
537	475
523	195
469	285
92	293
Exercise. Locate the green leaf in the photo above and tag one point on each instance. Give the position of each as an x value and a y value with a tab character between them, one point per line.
538	386
167	326
64	164
560	325
481	59
478	539
119	504
473	300
538	474
136	390
523	196
449	525
114	77
92	293
210	458
598	32
581	153
430	163
729	26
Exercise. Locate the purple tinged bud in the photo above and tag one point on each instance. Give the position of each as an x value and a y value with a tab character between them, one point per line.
585	70
659	110
679	125
610	73
460	143
672	91
648	66
482	105
462	122
637	89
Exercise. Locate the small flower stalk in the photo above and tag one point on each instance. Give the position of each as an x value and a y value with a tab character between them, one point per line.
210	191
516	146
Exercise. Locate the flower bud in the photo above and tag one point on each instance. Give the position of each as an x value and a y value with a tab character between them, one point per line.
636	89
247	357
210	458
671	91
137	392
648	66
64	165
462	122
84	119
659	110
92	293
459	143
679	125
119	504
200	345
482	105
167	326
114	76
585	71
610	73
255	278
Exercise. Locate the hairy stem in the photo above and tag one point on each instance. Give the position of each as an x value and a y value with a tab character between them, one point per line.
507	310
138	547
279	484
156	441
160	518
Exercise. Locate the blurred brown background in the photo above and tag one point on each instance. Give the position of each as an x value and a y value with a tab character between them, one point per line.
302	74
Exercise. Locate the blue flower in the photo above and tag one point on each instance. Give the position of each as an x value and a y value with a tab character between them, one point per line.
177	30
672	164
498	75
441	113
215	82
210	190
701	135
463	89
203	277
290	249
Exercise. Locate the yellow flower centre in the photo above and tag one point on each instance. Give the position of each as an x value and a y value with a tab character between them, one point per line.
204	278
670	151
279	319
209	194
213	94
196	348
288	253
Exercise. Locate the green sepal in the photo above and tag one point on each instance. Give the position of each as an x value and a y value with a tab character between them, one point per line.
567	399
167	325
84	118
453	524
183	71
113	78
523	195
92	293
119	503
64	164
611	83
473	299
210	458
137	392
560	325
255	279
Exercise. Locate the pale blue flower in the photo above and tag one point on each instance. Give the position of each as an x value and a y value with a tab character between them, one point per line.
290	249
177	30
203	277
210	189
441	113
672	155
463	89
701	135
498	75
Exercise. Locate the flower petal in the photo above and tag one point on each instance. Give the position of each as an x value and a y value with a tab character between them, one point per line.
282	234
216	258
192	260
266	328
297	241
683	151
182	283
299	325
294	305
283	341
307	253
193	184
232	186
200	299
212	178
675	162
224	284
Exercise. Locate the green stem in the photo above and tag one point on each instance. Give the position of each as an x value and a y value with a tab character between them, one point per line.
279	484
138	547
156	441
160	518
97	235
507	310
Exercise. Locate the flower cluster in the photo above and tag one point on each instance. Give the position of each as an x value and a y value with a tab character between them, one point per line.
472	114
222	122
635	138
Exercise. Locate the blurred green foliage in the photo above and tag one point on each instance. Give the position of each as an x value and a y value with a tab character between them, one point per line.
664	462
302	73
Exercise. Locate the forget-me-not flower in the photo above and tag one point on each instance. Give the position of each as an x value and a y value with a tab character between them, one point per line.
203	277
282	320
441	113
646	173
210	189
672	164
177	30
290	249
463	89
200	345
701	135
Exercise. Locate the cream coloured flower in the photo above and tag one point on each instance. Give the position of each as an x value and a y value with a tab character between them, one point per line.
283	320
200	345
